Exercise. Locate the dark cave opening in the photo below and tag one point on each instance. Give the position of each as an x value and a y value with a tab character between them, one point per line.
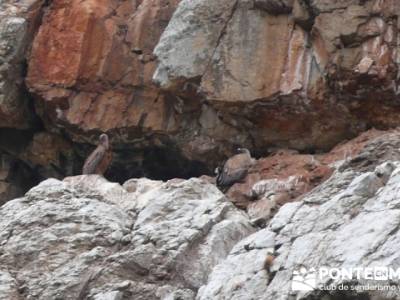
151	159
17	175
23	176
163	162
157	163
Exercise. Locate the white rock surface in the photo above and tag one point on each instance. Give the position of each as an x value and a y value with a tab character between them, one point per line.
351	220
189	41
87	238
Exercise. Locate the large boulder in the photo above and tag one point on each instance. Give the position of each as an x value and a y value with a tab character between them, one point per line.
87	238
90	71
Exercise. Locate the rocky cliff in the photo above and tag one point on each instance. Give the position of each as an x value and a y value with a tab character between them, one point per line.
178	85
87	238
310	87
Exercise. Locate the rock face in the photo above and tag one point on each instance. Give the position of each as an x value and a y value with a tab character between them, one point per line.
303	74
260	74
94	61
18	20
351	220
287	175
87	238
256	74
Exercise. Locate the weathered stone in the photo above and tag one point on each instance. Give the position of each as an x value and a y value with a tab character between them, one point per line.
280	178
350	220
85	237
247	261
51	153
8	286
88	60
262	74
318	70
18	20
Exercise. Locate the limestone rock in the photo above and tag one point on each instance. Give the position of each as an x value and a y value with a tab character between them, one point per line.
297	74
85	237
283	177
17	23
187	55
350	220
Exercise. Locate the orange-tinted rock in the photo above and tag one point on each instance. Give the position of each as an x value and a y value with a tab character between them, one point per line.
286	176
307	171
231	73
94	60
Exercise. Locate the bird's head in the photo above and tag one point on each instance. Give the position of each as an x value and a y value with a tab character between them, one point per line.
103	139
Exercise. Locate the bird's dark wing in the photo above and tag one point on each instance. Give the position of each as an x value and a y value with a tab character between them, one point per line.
226	179
93	160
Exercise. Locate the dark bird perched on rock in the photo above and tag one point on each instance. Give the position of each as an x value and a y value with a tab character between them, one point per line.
234	170
100	159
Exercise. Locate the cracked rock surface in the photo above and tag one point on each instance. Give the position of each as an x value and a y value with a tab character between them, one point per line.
186	82
17	22
297	74
351	220
87	238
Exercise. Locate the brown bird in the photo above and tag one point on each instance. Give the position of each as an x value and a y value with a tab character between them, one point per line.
235	169
100	159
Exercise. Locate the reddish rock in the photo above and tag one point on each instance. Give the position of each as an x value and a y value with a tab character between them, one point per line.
308	171
258	74
94	60
287	175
